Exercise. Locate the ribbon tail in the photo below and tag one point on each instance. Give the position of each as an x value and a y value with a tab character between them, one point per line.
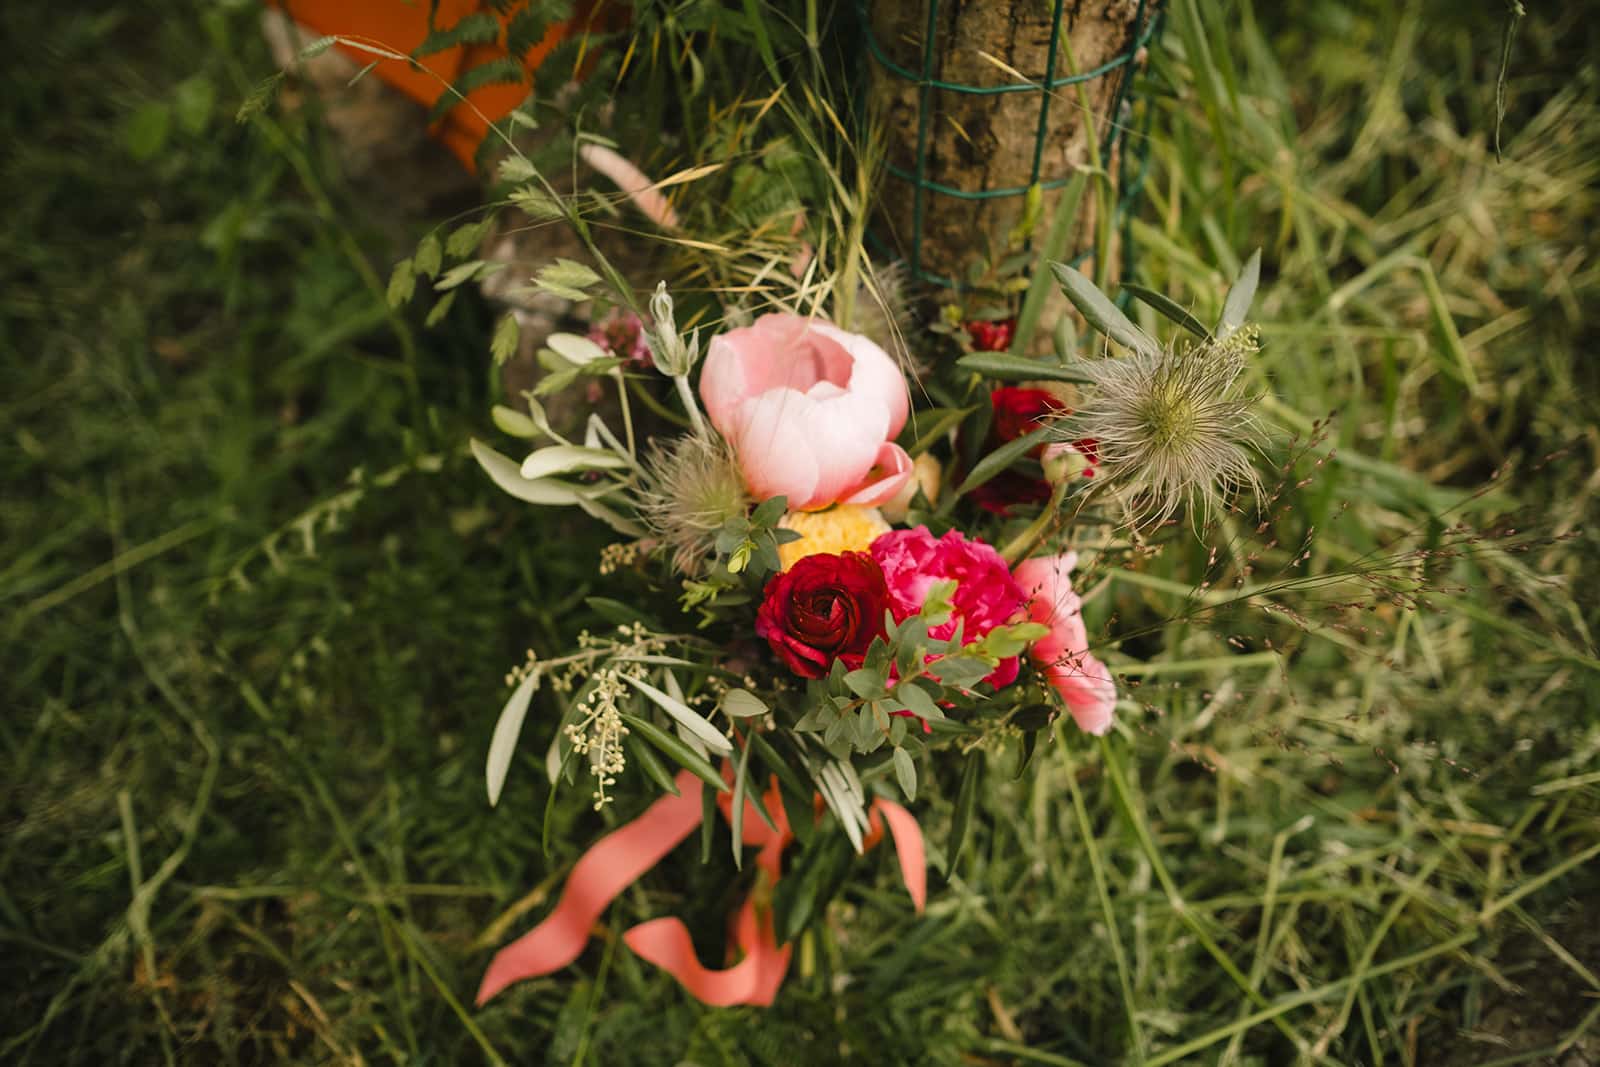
614	862
908	848
753	980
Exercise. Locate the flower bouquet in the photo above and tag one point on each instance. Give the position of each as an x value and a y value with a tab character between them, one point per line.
833	567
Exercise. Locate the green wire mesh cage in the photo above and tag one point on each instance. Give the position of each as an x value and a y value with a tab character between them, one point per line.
936	136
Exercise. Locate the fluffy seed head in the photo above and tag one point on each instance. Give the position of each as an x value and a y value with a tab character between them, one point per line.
1172	427
692	486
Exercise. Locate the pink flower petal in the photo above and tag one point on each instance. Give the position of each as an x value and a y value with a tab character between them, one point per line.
890	471
775	451
1062	655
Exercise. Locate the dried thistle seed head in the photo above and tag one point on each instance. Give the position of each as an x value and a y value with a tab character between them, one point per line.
692	486
883	308
1172	427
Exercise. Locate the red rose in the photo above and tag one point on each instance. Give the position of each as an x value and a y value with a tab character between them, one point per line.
1017	411
994	336
824	608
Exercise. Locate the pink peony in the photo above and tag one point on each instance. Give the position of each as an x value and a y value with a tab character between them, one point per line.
810	410
986	594
1062	656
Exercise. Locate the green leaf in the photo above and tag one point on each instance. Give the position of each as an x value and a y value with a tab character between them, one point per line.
742	704
817	873
676	750
561	459
1102	314
1030	742
778	765
1001	458
1236	308
513	422
460	274
865	683
193	101
1005	367
1165	305
440	309
966	805
618	613
465	239
646	757
429	256
503	744
768	512
554	383
516	168
905	773
926	428
736	810
917	701
1055	244
506	335
526	29
686	717
708	823
575	349
960	672
145	132
502	71
480	27
402	283
537	204
566	278
508	477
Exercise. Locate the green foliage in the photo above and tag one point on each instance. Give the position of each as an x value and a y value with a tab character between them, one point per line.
248	824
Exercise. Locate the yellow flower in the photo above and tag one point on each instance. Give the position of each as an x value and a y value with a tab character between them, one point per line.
843	528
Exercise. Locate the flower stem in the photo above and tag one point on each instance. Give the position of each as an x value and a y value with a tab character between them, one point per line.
686	395
1029	539
1097	868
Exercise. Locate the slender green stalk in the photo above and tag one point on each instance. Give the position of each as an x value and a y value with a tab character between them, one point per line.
1147	844
1097	867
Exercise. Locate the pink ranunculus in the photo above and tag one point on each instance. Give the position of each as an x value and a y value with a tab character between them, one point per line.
986	594
810	410
1062	655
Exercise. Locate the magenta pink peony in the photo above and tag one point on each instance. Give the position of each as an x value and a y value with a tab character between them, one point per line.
1062	656
810	410
986	594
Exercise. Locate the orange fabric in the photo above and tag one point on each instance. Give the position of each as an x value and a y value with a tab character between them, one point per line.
617	860
402	25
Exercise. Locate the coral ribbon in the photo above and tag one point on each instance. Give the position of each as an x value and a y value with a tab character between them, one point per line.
617	860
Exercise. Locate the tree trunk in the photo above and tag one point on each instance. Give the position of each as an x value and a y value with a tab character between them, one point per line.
975	142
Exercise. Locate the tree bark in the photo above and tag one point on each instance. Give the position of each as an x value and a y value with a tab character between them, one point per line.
985	142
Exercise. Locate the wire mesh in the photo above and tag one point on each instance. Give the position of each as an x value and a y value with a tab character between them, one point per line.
1148	19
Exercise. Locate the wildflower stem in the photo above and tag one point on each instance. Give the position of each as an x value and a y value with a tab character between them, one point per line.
1028	539
627	415
656	407
1097	868
1141	830
686	395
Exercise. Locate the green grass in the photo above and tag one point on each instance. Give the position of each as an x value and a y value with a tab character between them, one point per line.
258	605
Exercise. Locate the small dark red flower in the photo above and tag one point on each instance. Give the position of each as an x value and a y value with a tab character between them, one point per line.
1017	411
991	336
825	607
